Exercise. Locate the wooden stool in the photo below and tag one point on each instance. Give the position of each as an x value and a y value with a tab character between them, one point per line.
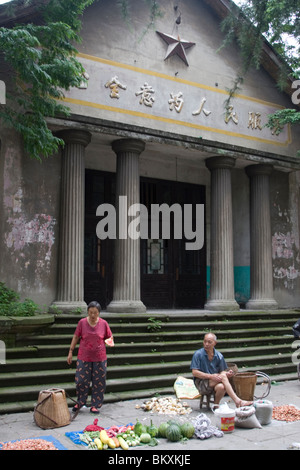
210	398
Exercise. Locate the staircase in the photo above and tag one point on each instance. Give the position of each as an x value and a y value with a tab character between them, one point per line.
150	352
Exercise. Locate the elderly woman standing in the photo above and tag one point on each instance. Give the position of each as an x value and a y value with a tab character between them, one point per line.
94	333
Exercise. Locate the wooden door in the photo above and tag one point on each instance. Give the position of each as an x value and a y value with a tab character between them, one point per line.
98	254
171	275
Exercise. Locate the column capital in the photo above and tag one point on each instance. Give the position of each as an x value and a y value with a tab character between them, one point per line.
128	145
75	136
260	169
220	163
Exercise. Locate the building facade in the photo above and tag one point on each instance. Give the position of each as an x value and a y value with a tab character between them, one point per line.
148	126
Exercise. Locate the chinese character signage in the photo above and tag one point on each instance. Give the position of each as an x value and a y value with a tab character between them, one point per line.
155	100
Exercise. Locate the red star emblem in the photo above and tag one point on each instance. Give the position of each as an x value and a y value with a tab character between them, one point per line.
176	46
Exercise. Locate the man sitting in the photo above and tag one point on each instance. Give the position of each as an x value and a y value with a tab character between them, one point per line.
210	376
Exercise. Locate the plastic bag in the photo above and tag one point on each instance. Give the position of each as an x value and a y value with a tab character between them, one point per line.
245	417
185	388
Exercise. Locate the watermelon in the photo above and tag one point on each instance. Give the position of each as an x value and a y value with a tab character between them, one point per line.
162	429
187	430
173	433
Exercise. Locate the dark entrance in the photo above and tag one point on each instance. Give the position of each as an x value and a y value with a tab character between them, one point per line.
171	276
98	254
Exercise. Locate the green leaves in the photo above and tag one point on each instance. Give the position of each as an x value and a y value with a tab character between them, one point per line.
279	22
44	64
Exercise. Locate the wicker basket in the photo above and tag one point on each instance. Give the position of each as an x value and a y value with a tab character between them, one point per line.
52	410
245	383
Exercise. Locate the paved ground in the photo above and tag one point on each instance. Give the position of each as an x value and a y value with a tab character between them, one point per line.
277	435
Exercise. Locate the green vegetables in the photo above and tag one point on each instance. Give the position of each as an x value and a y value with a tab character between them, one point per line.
162	429
152	430
139	428
187	430
145	438
131	438
175	431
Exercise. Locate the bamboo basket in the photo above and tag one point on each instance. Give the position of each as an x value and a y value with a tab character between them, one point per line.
245	383
52	410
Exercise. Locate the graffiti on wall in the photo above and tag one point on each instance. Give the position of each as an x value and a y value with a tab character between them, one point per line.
282	245
29	239
283	248
38	230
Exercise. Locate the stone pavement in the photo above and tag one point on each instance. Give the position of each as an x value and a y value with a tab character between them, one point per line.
277	435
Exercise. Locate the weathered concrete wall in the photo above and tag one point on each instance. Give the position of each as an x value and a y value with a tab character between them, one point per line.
29	215
285	206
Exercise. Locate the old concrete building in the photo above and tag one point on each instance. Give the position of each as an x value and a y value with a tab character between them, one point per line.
150	125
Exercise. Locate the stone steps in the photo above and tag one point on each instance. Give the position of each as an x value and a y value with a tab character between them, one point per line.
148	355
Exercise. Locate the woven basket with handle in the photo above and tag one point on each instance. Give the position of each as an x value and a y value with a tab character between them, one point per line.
52	411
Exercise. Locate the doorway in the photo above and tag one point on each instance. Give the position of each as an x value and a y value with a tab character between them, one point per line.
171	275
98	254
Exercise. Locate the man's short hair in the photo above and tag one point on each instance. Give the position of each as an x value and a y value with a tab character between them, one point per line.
212	334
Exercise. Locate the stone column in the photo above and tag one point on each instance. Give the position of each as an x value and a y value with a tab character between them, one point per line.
260	239
221	236
127	277
70	293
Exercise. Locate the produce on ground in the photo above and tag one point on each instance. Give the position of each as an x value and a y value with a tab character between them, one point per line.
112	438
93	427
176	431
138	434
166	405
28	444
286	413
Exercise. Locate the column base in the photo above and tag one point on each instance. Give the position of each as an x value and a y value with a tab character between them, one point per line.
69	307
222	305
261	304
126	306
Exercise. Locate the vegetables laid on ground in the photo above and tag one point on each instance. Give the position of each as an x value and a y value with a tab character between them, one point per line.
93	427
162	429
288	413
136	435
176	431
123	444
98	443
187	430
116	441
139	428
130	437
173	433
145	438
28	444
104	437
152	430
166	405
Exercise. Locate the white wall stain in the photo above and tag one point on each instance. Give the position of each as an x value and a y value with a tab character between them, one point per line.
282	245
39	230
284	248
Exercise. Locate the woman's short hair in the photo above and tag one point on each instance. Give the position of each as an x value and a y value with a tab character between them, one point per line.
95	304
